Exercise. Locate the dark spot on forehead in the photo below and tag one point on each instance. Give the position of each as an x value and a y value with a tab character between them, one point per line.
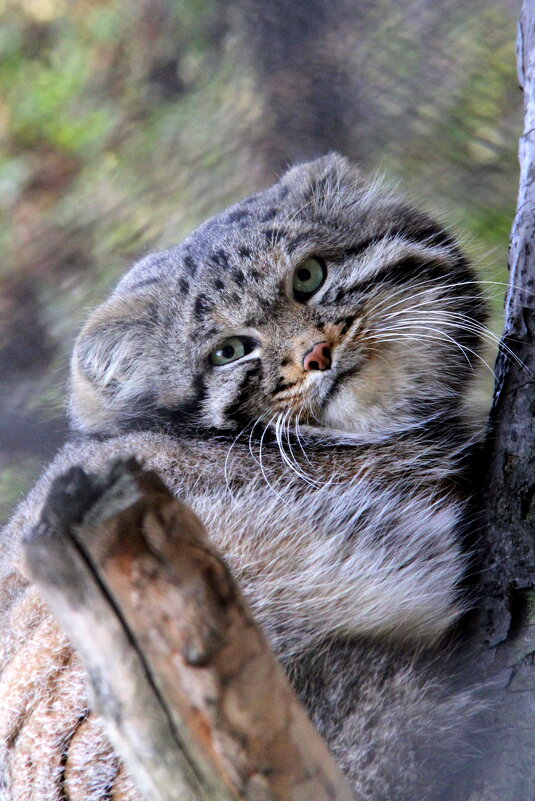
254	274
285	361
270	214
265	303
145	282
275	234
220	258
238	276
201	307
244	252
238	215
294	243
183	286
218	284
190	265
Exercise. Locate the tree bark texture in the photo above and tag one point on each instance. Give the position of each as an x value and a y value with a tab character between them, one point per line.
507	618
191	695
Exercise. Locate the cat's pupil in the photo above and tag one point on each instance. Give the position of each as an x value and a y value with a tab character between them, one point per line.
303	274
228	352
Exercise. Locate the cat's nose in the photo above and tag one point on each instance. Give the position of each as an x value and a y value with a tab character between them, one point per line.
318	357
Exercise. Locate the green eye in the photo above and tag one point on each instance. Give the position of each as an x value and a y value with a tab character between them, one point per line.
308	278
231	349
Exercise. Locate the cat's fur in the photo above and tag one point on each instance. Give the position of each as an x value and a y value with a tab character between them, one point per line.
336	496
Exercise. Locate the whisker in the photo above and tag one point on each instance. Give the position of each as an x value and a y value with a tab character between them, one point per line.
260	463
227	457
299	439
296	467
448	318
392	335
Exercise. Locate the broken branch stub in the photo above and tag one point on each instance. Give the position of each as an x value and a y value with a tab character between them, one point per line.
191	695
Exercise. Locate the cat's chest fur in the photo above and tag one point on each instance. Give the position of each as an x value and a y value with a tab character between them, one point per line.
330	545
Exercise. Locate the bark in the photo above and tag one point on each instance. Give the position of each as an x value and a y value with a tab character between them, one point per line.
191	695
506	626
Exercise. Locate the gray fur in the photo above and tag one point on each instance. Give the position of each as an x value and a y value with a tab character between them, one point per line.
335	496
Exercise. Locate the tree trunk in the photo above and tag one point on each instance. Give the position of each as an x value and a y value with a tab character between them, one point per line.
506	624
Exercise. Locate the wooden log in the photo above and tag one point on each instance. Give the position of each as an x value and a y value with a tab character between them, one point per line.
192	697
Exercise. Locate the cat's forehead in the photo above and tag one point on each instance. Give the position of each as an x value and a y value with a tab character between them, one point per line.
237	258
235	266
262	226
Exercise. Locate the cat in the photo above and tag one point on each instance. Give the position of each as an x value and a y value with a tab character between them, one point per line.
302	370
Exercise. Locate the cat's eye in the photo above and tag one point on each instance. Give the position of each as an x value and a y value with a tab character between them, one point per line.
231	349
308	278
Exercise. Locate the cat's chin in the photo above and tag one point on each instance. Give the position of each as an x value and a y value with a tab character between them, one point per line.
344	412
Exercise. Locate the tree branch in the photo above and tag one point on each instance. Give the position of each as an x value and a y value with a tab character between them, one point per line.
191	695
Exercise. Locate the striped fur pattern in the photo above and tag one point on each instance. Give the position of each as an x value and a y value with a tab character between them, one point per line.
337	496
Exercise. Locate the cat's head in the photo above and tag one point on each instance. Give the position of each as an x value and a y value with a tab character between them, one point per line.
322	299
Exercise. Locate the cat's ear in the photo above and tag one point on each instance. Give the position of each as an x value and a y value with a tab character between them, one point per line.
322	180
113	363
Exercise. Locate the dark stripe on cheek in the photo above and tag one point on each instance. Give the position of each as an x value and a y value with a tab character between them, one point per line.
356	249
345	323
188	413
408	271
429	233
282	384
235	409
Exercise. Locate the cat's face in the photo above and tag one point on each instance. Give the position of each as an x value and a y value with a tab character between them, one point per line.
320	301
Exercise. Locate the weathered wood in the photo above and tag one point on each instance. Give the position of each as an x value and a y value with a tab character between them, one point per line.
191	694
507	620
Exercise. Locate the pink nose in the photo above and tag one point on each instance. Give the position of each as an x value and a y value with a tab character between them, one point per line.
318	357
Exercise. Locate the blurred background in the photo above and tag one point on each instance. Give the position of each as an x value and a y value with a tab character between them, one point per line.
124	124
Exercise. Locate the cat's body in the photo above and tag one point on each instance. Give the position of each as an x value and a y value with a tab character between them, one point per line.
299	371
